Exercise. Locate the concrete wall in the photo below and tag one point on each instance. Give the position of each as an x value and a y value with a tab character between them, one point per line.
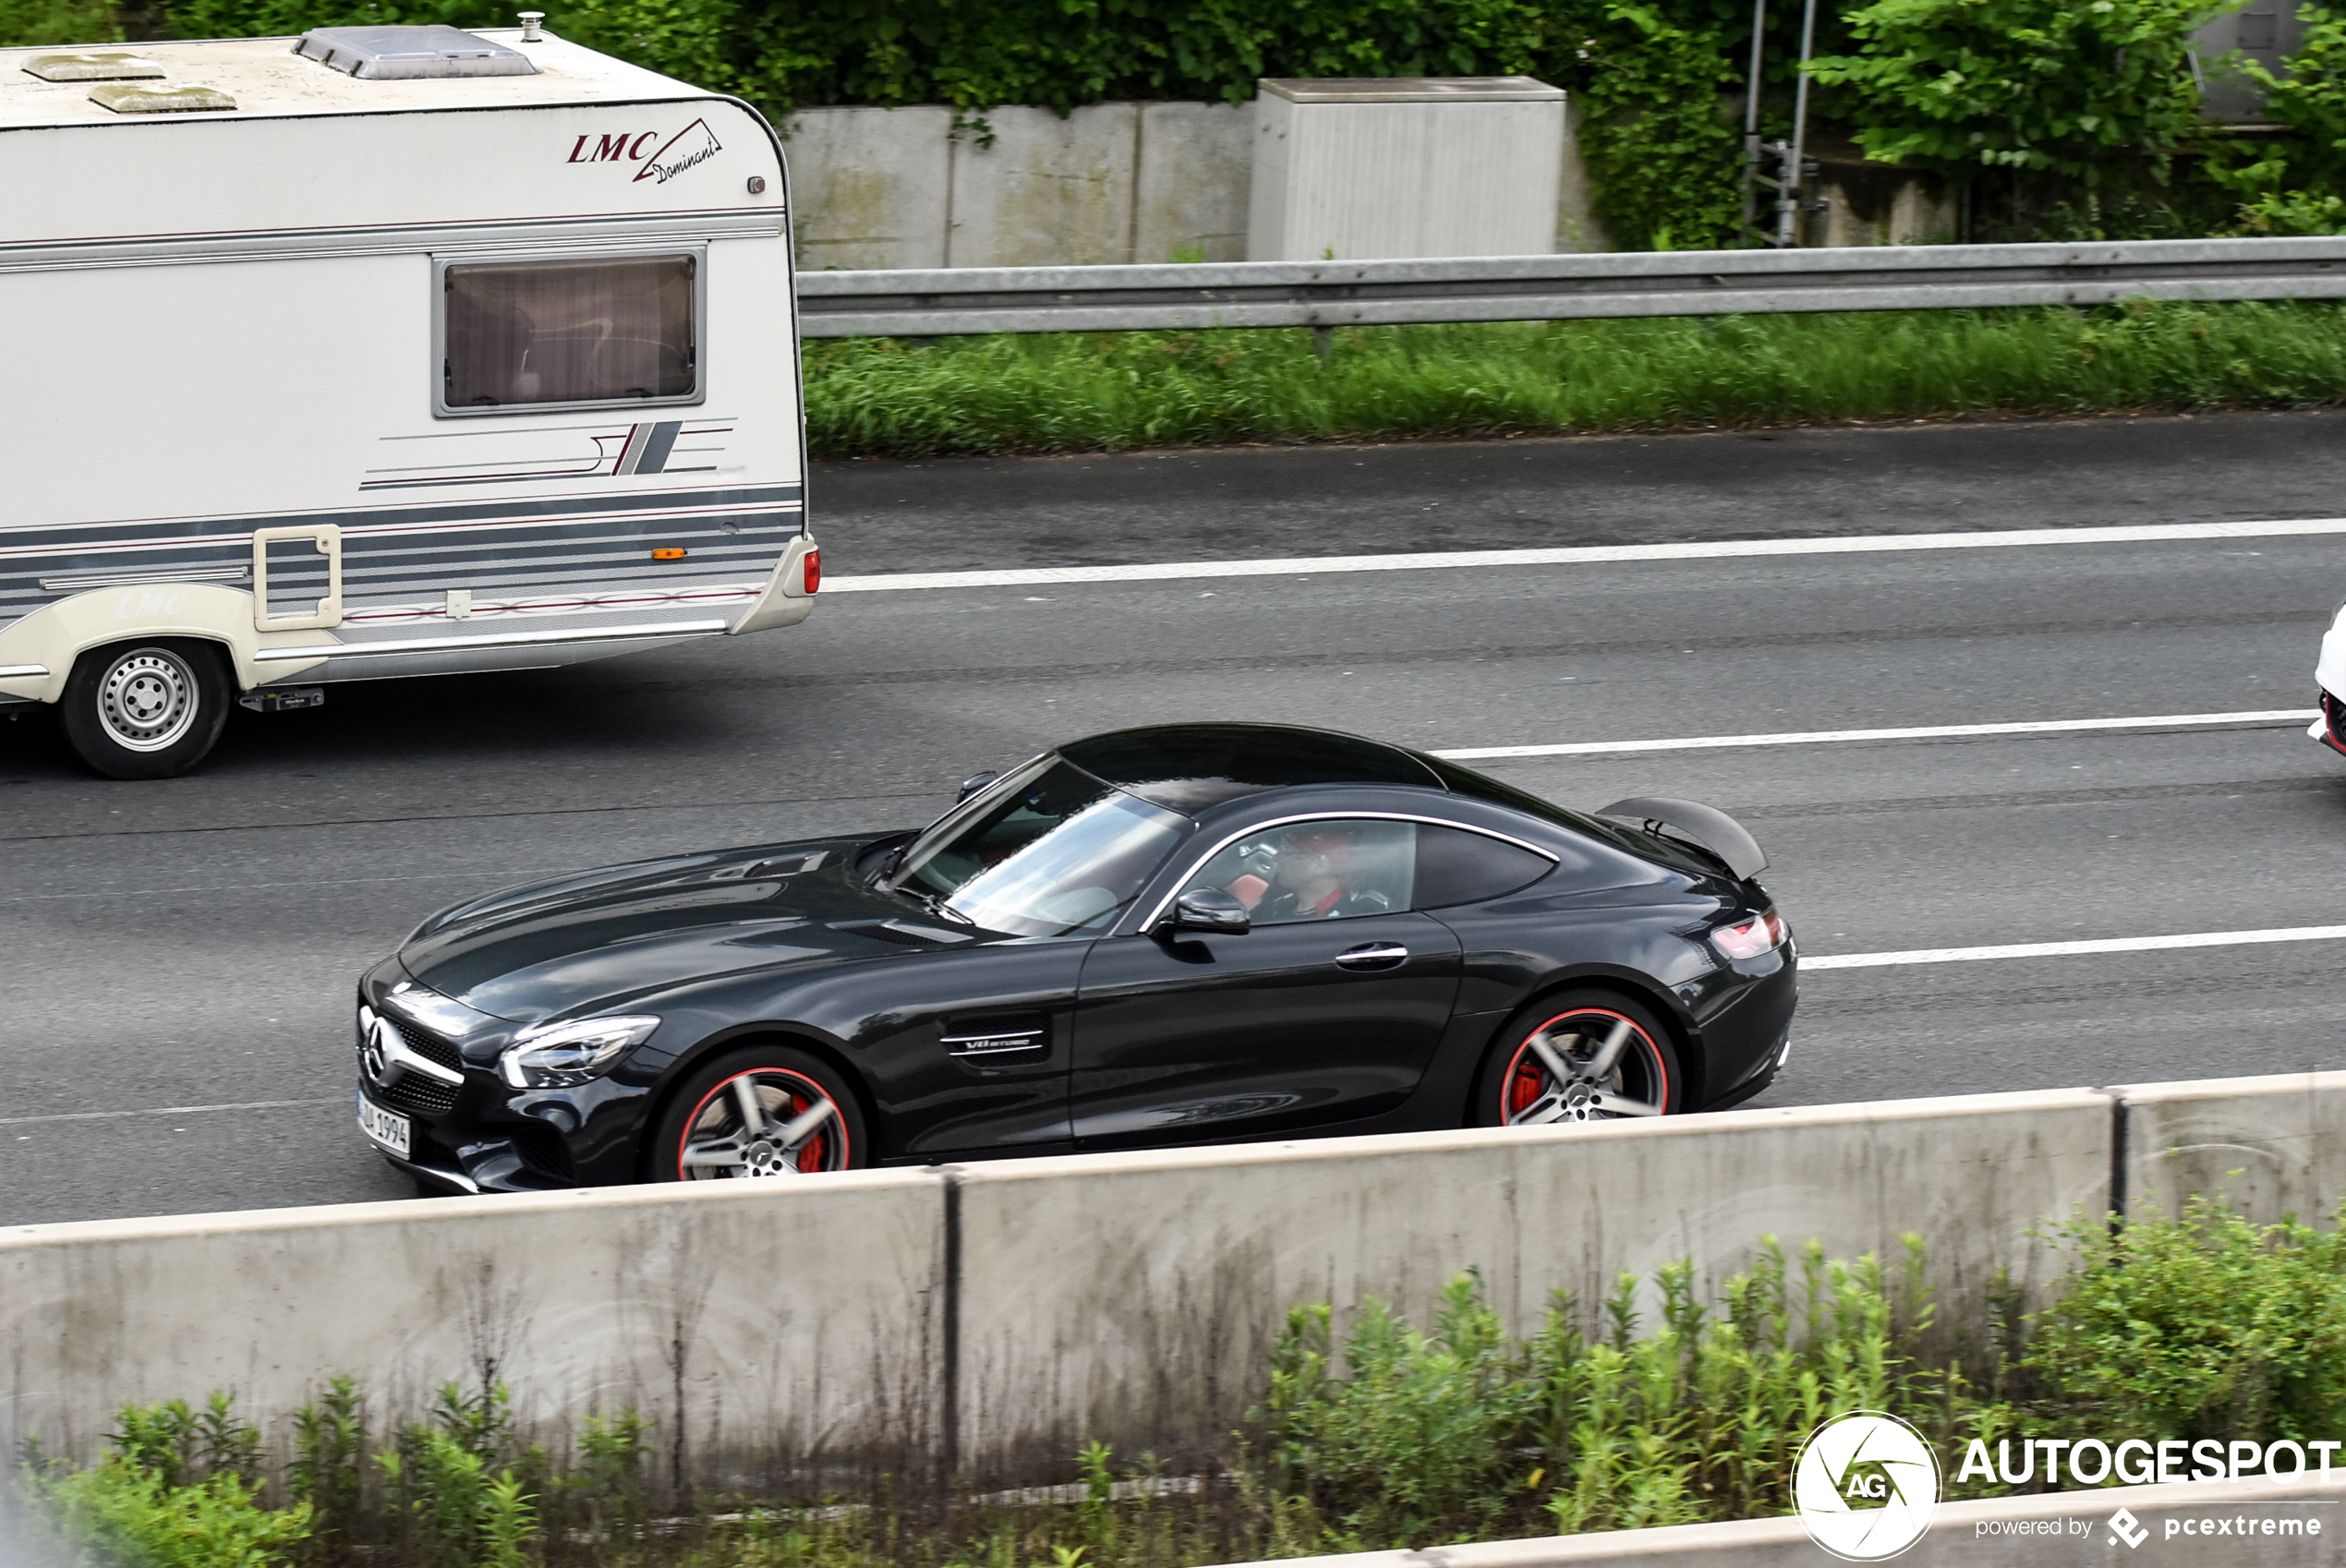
2274	1146
770	1332
789	1337
1134	1298
1112	183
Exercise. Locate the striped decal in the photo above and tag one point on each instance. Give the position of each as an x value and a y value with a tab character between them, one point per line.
540	556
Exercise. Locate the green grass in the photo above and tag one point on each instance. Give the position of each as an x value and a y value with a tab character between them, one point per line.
1105	392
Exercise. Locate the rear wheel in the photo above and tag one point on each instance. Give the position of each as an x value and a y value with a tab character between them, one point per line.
147	709
768	1111
1580	1056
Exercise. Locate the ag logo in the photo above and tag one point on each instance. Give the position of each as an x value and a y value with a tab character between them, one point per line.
1865	1485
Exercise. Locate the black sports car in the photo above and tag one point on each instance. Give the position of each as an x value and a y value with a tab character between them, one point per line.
1189	934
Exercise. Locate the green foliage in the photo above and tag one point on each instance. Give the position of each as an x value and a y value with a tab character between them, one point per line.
2202	1326
2295	183
2047	86
1418	1436
881	397
58	21
1647	79
120	1514
459	1504
179	1490
329	1438
1464	1434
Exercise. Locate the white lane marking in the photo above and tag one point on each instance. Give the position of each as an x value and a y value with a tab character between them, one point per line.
172	1111
1709	549
2073	949
1916	733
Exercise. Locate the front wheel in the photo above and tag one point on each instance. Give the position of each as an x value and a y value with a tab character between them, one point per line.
1579	1057
768	1111
146	711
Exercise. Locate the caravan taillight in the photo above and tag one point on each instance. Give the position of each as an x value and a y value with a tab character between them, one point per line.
814	569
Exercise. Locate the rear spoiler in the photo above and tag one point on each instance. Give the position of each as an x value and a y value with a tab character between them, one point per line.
1706	827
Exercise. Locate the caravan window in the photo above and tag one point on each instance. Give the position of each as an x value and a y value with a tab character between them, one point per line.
529	334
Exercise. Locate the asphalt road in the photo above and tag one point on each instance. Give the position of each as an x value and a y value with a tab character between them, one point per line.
192	944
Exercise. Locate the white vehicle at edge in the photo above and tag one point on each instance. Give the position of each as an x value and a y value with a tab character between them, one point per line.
385	351
2329	674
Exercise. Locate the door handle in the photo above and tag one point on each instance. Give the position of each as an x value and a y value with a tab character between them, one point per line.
1376	955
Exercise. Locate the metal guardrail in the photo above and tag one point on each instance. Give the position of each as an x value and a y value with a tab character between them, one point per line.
1542	288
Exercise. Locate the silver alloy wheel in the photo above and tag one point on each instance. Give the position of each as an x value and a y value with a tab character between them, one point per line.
765	1122
1576	1068
146	700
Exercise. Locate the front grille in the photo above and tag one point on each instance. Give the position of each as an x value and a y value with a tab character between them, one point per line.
2335	712
414	1094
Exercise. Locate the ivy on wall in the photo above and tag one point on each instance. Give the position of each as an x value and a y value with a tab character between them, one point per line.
2068	94
2052	86
1664	160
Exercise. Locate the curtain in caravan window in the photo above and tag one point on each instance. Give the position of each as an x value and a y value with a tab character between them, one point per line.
568	331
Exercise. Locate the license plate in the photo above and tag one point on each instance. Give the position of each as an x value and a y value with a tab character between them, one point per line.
388	1129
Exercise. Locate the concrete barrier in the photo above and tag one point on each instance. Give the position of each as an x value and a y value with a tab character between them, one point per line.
1963	1535
776	1331
2273	1145
1133	1298
987	1319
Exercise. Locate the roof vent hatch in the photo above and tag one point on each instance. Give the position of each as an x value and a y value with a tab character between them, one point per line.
411	53
94	64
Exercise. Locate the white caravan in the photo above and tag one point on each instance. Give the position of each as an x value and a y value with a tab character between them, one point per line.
384	351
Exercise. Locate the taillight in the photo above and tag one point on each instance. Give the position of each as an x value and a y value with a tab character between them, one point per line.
1760	933
813	577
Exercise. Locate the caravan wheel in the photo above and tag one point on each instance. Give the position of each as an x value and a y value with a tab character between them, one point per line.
146	711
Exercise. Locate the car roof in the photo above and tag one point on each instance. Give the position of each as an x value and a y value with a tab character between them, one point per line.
1186	767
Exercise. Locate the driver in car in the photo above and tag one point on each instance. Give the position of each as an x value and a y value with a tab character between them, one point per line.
1311	878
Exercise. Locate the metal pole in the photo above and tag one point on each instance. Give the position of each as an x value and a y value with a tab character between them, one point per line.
1749	233
1788	201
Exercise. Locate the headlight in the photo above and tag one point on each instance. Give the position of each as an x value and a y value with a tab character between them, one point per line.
563	1055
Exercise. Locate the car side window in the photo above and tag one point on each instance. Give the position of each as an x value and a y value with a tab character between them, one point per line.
1459	867
1323	870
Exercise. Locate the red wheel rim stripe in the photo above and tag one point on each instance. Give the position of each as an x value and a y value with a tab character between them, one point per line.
813	1091
1517	1065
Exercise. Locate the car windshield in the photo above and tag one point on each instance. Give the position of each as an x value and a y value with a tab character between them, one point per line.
1048	852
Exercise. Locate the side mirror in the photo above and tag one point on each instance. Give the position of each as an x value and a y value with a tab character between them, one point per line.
1209	910
973	784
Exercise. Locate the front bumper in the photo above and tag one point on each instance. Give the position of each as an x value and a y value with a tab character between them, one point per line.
478	1133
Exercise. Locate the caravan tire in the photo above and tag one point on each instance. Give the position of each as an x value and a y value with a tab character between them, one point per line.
145	709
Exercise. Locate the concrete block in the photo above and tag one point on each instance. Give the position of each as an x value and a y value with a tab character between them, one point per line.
1190	183
776	1333
870	188
1880	204
1407	167
1049	191
2273	1145
1134	1298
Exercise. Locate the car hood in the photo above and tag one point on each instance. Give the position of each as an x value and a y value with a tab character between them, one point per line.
589	941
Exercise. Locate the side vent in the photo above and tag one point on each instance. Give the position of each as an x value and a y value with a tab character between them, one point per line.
187	98
93	64
410	53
